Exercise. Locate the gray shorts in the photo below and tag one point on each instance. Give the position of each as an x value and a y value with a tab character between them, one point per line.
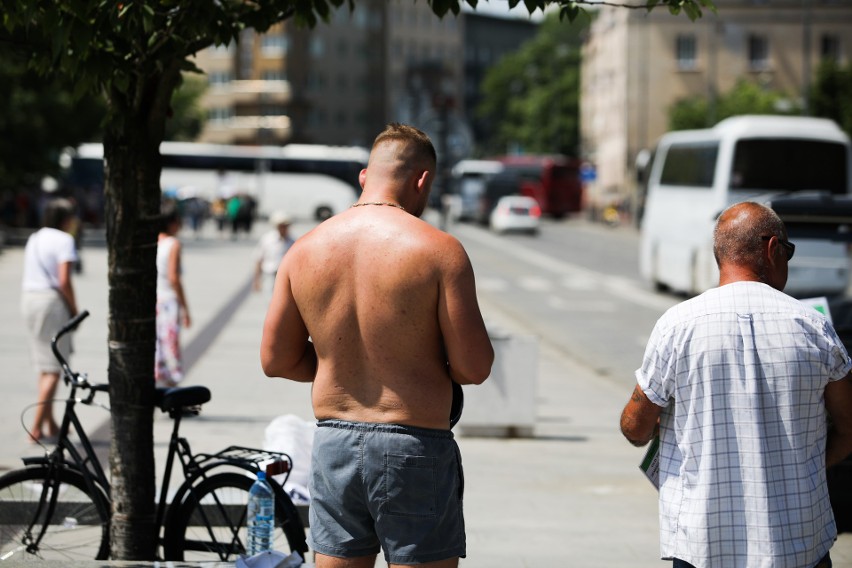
386	486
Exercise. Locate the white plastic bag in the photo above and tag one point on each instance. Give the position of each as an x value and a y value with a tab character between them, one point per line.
295	437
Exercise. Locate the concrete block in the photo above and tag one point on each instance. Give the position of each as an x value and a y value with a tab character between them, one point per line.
504	405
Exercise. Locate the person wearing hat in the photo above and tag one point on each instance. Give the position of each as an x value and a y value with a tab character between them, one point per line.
272	247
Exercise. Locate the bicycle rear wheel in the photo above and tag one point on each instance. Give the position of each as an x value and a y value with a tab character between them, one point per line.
210	523
78	529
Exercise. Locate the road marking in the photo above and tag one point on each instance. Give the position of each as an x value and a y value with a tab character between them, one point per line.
492	284
595	306
579	283
623	288
535	283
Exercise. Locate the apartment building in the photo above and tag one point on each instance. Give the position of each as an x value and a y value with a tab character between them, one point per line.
338	83
637	64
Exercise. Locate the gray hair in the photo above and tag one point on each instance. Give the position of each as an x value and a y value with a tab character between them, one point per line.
739	234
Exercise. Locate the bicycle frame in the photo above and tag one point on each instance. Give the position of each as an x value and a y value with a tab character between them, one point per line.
196	467
85	462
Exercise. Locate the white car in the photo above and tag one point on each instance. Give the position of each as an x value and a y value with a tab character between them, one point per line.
516	213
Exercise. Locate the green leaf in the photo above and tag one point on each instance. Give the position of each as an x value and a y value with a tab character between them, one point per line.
693	12
570	12
441	7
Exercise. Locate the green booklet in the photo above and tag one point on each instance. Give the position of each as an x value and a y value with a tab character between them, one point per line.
650	465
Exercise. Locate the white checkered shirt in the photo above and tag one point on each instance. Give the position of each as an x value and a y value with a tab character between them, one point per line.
742	473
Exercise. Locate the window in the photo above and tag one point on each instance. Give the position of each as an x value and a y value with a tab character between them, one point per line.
691	165
685	52
779	164
273	44
276	75
218	114
830	48
758	53
315	81
317	47
219	77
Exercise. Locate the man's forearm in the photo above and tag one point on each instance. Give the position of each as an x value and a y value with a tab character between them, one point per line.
304	370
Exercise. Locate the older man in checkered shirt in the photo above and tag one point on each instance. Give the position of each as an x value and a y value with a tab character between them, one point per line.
737	382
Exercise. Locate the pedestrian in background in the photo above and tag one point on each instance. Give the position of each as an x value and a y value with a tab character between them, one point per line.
172	309
737	382
378	310
271	248
47	303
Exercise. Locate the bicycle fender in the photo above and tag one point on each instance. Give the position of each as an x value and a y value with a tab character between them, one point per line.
45	461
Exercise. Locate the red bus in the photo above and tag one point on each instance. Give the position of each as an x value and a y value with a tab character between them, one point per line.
553	181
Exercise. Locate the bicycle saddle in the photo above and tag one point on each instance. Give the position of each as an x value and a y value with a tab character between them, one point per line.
179	397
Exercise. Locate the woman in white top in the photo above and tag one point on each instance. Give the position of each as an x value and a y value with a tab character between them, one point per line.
172	310
47	303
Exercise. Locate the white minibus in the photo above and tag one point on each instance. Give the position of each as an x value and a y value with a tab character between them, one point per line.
695	174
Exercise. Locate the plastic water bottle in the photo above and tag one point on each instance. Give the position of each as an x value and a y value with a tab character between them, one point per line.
261	516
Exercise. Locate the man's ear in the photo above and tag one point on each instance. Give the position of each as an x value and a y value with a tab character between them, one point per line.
362	177
423	180
772	251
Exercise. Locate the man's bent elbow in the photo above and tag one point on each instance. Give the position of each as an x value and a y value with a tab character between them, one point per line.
473	374
635	435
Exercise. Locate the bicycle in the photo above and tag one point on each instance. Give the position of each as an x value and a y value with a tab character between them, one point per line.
58	506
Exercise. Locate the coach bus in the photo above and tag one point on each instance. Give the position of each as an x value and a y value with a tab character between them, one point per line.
308	181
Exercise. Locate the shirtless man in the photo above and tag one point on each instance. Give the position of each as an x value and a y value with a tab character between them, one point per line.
378	309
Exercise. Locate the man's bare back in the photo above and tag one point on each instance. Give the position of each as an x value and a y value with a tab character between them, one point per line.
389	303
378	309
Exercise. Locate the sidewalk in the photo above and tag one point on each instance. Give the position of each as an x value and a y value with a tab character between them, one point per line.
572	495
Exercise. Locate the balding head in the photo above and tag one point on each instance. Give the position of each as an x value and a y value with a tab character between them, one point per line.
741	236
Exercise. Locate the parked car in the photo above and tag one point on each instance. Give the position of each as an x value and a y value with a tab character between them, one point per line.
516	213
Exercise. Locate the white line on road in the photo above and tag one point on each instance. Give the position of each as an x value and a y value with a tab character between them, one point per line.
492	284
596	306
623	288
535	283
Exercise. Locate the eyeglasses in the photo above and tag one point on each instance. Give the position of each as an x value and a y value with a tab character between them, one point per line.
788	246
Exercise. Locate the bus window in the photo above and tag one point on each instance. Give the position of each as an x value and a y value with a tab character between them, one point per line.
770	164
690	165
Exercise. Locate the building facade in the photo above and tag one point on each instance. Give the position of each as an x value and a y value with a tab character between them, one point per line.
637	64
338	83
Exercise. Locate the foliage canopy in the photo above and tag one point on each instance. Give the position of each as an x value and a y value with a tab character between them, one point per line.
532	95
746	97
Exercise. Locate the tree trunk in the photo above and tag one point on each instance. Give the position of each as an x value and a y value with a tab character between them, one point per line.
132	185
